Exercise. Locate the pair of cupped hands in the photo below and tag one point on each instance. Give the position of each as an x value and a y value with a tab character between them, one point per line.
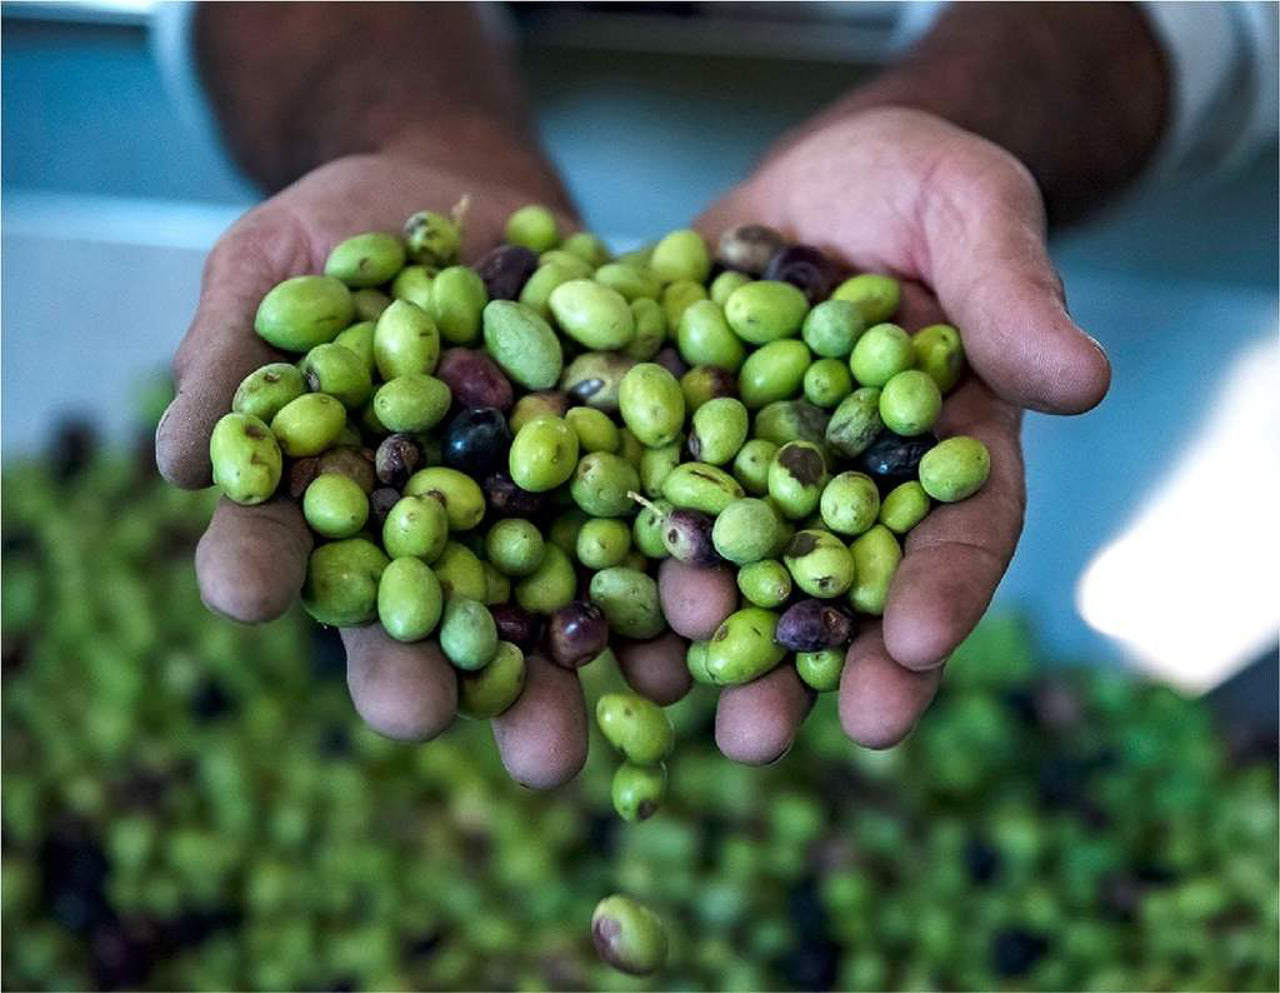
958	219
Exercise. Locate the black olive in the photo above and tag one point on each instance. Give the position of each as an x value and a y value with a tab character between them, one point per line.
476	441
892	459
806	267
506	499
811	625
516	625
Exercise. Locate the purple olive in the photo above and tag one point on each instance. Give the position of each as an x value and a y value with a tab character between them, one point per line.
811	625
398	457
505	270
576	634
381	501
474	379
506	499
301	473
670	360
686	534
517	625
806	267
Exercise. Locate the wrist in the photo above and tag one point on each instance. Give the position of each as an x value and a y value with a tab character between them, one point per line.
1079	93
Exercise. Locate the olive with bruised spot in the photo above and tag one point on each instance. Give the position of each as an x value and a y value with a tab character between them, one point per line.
796	479
813	624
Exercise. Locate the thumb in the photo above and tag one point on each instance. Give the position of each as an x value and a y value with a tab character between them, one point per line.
992	275
219	349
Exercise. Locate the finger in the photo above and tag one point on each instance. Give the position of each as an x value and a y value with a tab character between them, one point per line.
955	557
696	599
757	721
656	668
251	561
542	737
989	266
880	701
403	691
221	348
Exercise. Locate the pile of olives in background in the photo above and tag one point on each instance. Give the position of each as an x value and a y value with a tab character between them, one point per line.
189	803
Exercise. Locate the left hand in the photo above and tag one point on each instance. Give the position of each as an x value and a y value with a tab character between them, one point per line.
961	223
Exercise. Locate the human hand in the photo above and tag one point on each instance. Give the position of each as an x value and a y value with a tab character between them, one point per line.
960	221
251	561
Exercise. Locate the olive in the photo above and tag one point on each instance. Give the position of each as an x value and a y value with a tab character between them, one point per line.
517	625
686	534
669	358
808	268
505	270
476	441
381	501
301	473
506	499
398	457
576	634
811	625
892	459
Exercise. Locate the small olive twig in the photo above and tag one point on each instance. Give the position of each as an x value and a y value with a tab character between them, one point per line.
645	503
459	212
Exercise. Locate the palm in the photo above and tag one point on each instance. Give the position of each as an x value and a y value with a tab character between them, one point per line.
960	222
252	560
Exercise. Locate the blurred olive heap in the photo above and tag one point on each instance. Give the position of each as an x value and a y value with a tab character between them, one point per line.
188	803
756	413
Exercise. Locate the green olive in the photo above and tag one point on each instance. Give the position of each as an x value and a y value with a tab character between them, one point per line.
821	670
341	587
458	299
637	727
773	372
743	647
413	285
359	339
940	353
876	555
416	526
629	600
461	495
492	690
537	289
468	635
309	424
751	465
876	296
699	486
766	583
405	340
797	477
534	227
409	599
905	506
595	431
820	564
850	503
461	573
719	430
651	404
704	337
856	423
246	458
335	506
303	312
725	283
523	344
515	546
601	484
432	238
677	297
833	327
656	464
766	310
632	281
414	402
651	329
369	304
637	790
588	247
955	469
603	543
338	371
549	587
543	455
681	255
880	354
827	382
369	259
646	530
746	531
266	390
592	314
910	403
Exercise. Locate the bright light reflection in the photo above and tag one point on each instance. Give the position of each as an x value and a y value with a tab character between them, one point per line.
1190	588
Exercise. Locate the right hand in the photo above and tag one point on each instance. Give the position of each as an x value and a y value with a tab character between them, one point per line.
251	561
